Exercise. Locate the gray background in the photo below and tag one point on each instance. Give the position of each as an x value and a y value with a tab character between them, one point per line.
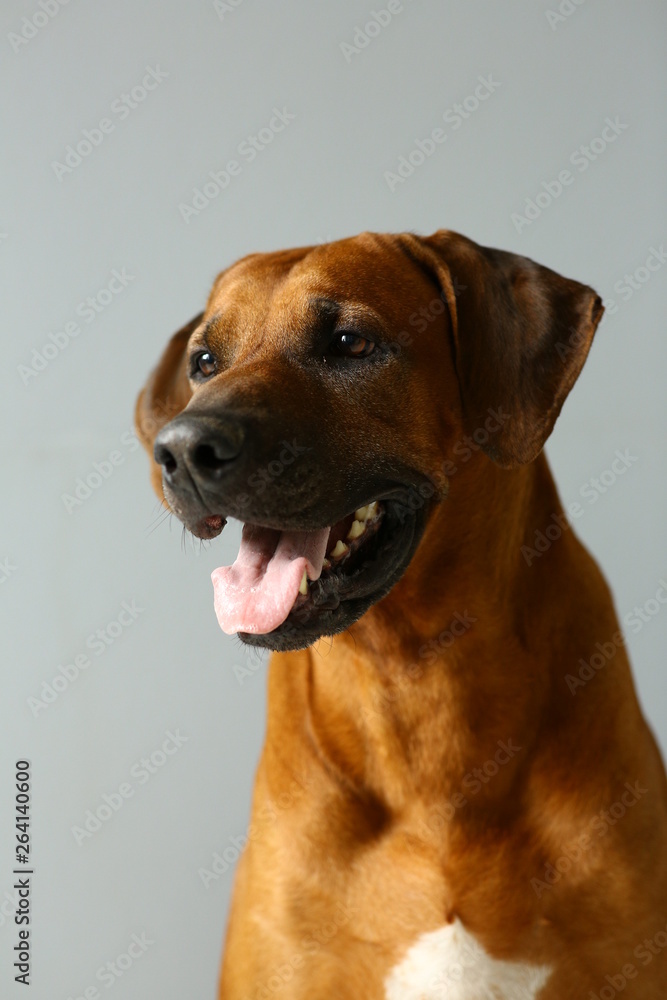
321	178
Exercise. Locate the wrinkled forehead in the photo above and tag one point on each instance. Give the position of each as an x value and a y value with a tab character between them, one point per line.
367	278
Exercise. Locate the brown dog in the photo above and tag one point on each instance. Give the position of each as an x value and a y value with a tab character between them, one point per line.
458	797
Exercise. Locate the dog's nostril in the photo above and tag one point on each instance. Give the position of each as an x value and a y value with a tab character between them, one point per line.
196	447
166	459
206	457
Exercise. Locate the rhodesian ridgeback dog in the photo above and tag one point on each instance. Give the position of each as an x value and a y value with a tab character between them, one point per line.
458	795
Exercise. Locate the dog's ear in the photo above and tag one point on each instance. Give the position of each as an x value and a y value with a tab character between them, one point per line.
165	394
521	334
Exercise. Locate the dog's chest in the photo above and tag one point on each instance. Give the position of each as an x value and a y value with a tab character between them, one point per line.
449	964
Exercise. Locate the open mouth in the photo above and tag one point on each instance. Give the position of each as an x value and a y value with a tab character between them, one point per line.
288	588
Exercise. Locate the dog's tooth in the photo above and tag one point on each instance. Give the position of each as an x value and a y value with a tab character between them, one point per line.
357	529
326	564
303	586
368	512
340	550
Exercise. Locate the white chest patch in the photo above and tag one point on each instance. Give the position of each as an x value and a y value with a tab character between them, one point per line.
449	964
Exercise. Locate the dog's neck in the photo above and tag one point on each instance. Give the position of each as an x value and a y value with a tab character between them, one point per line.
397	706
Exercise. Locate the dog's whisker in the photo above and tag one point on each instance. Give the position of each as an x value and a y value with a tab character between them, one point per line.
165	516
158	513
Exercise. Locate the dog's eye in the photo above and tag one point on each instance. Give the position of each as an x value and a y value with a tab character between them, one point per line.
352	345
204	364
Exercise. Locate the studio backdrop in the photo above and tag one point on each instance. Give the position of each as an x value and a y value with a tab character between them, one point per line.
146	147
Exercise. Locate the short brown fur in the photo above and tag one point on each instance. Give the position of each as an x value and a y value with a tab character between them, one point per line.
358	841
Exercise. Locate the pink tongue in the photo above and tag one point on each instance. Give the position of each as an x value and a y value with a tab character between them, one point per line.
256	594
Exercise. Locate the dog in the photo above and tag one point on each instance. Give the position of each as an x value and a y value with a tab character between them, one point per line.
458	796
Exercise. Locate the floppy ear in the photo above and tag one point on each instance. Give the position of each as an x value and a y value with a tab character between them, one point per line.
165	394
521	334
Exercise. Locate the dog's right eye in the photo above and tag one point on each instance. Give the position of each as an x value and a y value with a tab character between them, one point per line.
204	364
352	345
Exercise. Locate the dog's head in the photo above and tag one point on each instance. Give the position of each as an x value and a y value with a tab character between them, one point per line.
318	397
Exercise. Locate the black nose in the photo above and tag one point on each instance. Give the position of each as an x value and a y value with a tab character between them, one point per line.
199	446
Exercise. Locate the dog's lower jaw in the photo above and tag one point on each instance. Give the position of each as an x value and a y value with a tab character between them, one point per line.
336	613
